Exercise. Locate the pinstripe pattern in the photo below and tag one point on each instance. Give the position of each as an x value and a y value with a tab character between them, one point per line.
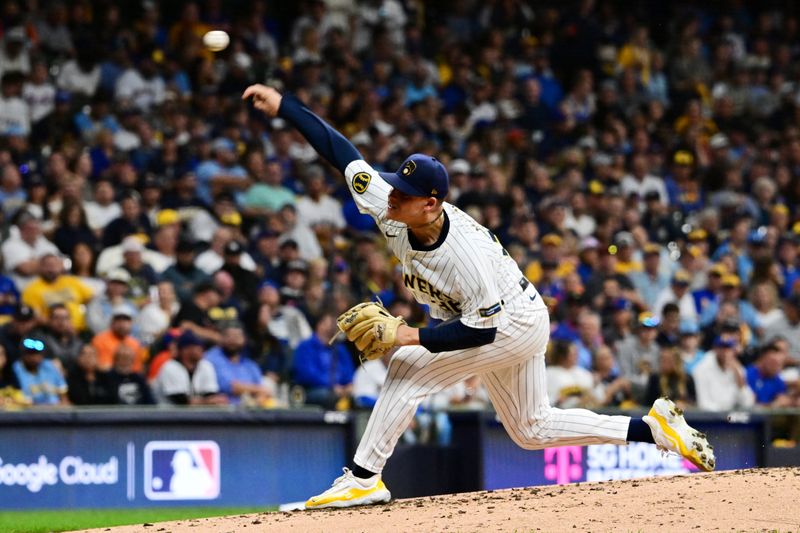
471	269
513	370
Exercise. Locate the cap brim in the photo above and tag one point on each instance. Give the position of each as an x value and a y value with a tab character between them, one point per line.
188	344
400	184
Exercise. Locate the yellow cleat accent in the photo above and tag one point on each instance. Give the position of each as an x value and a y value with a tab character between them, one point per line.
349	491
672	433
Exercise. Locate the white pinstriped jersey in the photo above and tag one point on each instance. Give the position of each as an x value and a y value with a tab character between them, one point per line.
468	275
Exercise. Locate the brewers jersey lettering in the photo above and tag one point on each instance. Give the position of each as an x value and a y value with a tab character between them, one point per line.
467	275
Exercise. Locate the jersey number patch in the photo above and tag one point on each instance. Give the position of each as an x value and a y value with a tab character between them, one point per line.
361	182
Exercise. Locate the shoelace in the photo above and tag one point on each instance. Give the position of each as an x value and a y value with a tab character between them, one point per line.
348	474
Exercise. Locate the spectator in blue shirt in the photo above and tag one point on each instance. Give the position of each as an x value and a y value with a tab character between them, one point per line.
221	173
764	378
787	254
731	292
567	329
12	193
419	87
39	379
689	345
736	245
710	293
239	377
9	298
325	372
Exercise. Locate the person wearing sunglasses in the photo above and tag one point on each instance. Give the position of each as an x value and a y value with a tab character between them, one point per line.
40	380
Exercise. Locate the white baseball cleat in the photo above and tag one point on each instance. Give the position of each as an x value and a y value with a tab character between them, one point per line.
673	434
348	491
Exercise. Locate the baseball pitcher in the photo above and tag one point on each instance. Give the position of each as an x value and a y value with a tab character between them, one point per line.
496	324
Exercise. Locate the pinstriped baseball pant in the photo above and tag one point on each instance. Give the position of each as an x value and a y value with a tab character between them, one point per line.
513	369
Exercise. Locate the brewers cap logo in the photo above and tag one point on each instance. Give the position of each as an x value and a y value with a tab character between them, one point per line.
361	182
408	168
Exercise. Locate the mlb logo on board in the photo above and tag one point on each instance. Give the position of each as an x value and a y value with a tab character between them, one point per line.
181	470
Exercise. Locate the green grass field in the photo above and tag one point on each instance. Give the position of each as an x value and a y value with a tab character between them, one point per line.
66	520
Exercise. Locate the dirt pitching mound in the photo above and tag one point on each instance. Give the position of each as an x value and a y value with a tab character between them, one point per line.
739	500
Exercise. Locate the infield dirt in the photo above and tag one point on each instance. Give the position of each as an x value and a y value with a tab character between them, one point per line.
738	500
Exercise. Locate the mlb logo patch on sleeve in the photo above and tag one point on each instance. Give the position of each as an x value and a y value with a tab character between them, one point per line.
490	311
181	470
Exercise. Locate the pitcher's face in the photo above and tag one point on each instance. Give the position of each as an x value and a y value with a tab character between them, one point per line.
411	210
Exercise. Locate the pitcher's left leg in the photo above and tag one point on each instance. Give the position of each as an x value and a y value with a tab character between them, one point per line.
519	394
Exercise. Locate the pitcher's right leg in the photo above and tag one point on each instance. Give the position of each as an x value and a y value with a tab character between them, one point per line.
519	394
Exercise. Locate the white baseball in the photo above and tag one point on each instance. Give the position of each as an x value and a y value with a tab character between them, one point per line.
216	40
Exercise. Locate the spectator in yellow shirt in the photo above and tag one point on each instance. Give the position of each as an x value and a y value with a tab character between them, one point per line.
52	287
694	118
551	253
636	54
188	31
625	245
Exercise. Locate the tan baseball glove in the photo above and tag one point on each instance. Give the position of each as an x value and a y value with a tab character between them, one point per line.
371	327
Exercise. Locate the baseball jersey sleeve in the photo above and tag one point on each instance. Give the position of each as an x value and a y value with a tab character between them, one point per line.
204	380
481	306
369	190
171	379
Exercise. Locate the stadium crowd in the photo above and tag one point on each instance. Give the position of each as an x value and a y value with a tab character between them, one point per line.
163	243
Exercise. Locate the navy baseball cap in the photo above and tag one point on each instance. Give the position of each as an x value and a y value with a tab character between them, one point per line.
724	342
420	175
188	338
621	304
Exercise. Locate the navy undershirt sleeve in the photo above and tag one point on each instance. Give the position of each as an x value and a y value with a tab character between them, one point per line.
328	142
455	336
639	431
